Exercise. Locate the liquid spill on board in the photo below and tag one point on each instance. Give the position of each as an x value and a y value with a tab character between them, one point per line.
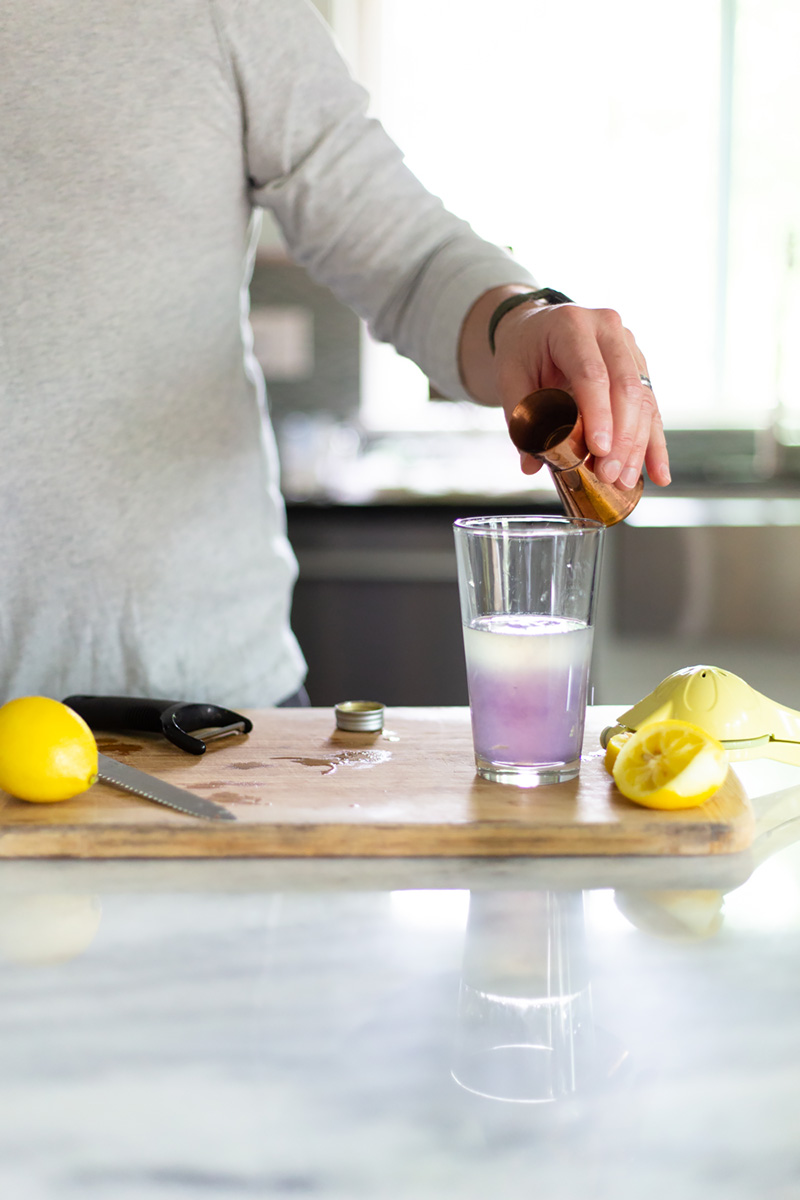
328	764
359	759
115	749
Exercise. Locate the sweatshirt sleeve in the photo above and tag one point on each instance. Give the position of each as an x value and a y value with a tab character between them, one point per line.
351	212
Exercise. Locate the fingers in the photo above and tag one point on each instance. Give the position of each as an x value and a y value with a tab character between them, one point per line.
638	440
591	354
657	456
577	356
650	445
629	402
619	411
530	465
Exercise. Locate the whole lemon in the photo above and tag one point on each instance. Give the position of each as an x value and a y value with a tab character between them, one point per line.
47	752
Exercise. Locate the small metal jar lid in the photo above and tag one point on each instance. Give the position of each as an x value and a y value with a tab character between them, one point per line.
359	716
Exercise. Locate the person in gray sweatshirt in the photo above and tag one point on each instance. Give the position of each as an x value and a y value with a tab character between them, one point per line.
142	531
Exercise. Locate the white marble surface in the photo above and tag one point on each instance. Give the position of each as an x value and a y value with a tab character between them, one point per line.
172	1030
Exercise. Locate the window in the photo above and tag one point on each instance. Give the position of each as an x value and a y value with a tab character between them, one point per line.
638	156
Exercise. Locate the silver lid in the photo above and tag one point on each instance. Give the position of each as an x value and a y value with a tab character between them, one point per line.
359	716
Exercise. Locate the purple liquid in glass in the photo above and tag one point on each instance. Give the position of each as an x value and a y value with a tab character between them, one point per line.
528	677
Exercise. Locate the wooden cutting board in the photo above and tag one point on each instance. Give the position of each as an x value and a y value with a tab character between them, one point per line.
300	787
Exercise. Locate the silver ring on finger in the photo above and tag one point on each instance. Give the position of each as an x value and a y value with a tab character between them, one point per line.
645	381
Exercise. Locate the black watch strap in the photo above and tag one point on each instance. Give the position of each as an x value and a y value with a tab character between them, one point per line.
542	296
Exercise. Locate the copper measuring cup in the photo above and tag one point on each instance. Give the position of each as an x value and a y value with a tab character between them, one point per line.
547	425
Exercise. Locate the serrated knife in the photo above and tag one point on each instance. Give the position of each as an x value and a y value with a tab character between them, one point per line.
130	779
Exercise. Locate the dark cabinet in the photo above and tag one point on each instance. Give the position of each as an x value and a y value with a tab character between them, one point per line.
376	604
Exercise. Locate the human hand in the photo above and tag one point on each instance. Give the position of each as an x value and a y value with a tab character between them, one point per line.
589	353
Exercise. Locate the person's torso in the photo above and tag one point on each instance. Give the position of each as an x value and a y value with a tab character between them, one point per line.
141	517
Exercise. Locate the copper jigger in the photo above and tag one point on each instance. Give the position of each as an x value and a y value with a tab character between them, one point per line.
547	425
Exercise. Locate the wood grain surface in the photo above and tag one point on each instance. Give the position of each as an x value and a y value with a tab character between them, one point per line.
299	787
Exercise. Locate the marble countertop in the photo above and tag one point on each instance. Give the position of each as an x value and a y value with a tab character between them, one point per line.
412	1030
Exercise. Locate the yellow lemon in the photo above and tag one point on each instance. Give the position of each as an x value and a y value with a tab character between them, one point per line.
670	764
47	752
613	748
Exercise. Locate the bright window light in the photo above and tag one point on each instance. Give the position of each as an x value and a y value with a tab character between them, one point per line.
637	156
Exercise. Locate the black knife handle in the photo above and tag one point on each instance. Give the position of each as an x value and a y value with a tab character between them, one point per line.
120	714
174	718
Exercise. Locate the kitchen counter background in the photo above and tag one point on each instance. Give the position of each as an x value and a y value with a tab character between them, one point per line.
695	576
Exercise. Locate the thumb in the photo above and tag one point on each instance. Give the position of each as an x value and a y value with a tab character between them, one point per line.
530	465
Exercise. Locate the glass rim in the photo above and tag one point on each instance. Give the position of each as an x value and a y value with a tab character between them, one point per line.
527	525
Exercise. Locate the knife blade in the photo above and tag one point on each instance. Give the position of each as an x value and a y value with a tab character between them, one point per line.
131	779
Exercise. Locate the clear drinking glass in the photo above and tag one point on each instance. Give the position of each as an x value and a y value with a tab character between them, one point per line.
527	587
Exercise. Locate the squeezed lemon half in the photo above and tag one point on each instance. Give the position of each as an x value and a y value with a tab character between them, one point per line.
613	748
47	752
670	764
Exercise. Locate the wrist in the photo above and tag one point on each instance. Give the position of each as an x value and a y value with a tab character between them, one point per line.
541	298
476	363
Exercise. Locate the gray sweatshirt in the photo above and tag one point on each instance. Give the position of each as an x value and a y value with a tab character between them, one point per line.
142	532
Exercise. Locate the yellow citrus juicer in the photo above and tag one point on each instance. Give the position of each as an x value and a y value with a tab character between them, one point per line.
747	723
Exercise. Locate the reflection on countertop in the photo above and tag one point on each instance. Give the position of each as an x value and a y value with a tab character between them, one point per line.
414	1030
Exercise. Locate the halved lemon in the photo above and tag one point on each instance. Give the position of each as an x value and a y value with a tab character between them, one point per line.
613	748
670	764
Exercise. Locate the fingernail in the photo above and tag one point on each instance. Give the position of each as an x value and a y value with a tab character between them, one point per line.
602	440
628	477
611	469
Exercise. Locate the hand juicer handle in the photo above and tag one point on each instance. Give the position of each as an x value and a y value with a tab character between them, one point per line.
609	732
